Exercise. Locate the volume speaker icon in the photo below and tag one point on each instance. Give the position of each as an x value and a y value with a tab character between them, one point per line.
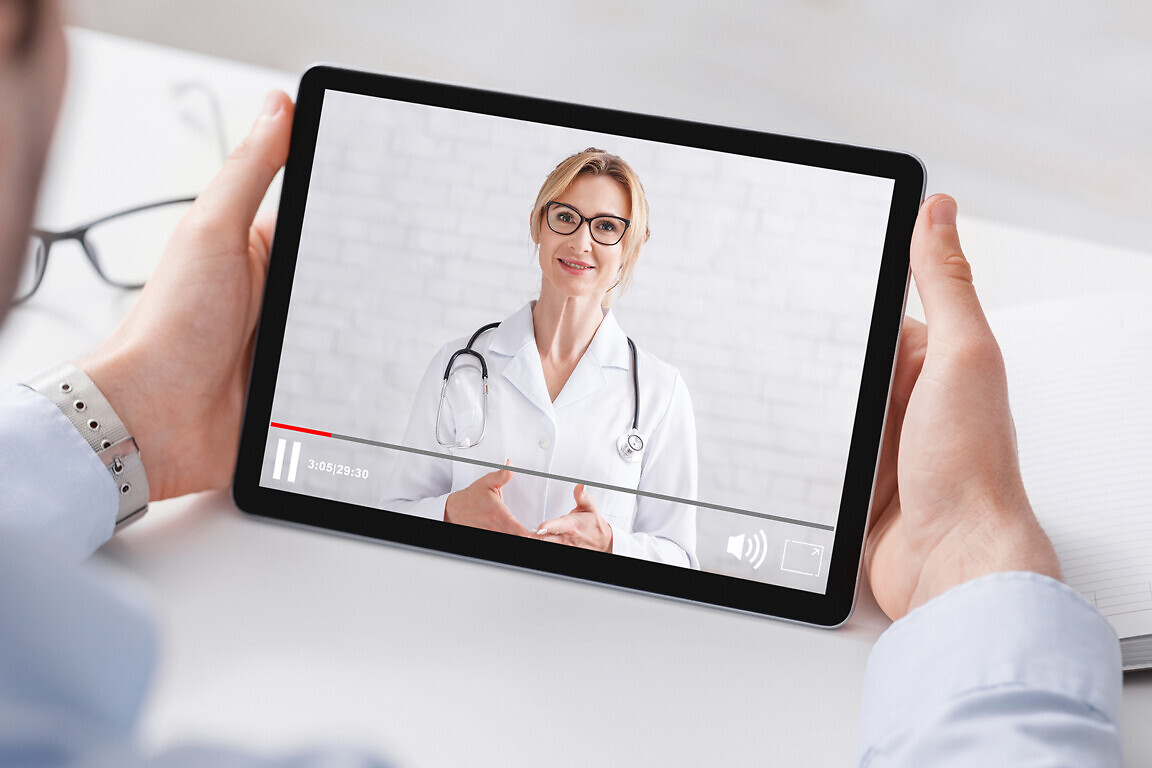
753	548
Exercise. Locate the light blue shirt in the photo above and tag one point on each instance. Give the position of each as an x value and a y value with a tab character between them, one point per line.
1011	669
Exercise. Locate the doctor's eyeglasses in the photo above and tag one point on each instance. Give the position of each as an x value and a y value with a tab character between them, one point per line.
122	247
564	220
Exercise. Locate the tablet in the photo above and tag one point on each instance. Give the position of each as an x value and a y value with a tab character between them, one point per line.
633	350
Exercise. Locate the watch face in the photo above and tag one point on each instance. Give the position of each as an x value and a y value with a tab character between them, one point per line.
635	443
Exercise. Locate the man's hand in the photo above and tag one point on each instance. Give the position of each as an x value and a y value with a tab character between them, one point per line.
481	505
582	527
176	370
950	504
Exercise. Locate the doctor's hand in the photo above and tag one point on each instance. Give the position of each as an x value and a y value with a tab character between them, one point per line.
950	504
582	527
176	369
481	505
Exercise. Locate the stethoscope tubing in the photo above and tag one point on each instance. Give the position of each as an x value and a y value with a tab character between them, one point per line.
630	443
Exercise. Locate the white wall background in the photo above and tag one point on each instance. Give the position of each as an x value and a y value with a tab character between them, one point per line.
1031	112
757	284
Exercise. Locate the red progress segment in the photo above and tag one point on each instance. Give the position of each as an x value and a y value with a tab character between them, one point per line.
302	429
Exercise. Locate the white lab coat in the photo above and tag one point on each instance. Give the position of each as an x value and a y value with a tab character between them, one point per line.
575	436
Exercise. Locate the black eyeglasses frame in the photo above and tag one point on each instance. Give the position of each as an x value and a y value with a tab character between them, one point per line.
583	219
48	238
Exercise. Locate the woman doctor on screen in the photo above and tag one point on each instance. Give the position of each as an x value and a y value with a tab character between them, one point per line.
562	380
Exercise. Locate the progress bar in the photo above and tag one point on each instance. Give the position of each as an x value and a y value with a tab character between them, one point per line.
551	476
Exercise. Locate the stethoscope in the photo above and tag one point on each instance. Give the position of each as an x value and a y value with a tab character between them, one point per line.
630	445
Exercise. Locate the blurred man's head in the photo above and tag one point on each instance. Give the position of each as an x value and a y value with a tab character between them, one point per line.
32	66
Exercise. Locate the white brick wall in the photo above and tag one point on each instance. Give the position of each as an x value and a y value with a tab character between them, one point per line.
757	284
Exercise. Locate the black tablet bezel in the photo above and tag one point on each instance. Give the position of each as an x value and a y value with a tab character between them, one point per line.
830	609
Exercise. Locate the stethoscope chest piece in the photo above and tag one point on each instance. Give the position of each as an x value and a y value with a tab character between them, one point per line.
631	446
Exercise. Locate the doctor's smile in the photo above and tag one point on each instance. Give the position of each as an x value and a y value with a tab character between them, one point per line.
575	266
559	389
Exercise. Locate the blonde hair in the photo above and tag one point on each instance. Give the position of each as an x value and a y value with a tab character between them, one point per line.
597	162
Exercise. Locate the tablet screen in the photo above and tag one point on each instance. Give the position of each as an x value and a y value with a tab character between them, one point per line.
438	355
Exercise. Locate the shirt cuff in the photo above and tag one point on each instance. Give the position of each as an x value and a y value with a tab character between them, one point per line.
1019	629
55	488
621	542
624	543
431	508
645	546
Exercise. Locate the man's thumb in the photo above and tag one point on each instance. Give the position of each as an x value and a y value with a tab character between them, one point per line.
233	196
943	275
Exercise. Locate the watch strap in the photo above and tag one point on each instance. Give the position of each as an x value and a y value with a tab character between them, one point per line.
78	398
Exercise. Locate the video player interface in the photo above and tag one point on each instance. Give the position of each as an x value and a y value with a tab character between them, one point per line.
706	425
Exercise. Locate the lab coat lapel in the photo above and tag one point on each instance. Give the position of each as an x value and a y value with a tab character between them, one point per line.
586	378
524	373
514	339
609	349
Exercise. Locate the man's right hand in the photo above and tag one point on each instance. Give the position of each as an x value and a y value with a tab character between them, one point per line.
950	504
176	369
481	505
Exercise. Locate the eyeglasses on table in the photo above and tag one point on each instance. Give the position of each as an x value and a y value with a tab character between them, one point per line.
123	247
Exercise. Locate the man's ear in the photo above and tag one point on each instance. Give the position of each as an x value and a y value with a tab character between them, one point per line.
12	14
18	19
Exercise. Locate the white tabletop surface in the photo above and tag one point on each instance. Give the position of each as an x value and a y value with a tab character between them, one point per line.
274	638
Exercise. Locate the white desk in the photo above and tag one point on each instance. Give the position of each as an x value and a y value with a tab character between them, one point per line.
274	638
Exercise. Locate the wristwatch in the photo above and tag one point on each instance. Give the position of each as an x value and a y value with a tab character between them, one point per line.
77	397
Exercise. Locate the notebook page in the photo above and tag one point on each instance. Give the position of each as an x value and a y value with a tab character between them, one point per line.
1080	385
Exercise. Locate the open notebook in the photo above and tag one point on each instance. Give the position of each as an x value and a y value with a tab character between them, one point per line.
1080	384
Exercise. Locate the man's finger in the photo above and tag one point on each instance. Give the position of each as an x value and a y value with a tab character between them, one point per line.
909	363
233	196
263	228
943	275
913	328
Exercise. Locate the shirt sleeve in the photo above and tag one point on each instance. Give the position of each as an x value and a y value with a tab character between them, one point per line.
665	531
77	654
1008	669
77	639
56	491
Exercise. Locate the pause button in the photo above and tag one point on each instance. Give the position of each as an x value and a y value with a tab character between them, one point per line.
278	468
